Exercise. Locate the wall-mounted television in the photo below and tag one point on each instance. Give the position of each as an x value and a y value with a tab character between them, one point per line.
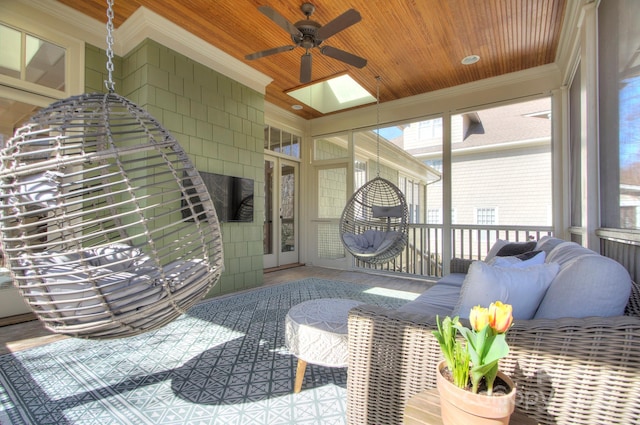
232	197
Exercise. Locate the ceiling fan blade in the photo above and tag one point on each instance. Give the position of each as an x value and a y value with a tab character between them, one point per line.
269	52
343	56
280	20
343	21
305	68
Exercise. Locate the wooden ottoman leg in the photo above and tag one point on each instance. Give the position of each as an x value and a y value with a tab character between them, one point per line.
302	365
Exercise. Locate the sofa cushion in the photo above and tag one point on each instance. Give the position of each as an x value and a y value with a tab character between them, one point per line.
588	284
522	288
497	246
440	299
547	243
528	259
566	252
516	248
504	248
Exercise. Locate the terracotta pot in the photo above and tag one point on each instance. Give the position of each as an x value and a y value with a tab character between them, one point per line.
462	407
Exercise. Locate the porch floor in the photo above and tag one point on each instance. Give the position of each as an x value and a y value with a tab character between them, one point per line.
21	336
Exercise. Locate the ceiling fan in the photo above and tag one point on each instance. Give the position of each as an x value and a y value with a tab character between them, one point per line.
308	34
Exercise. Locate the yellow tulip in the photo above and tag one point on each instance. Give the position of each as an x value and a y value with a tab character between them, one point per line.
479	317
500	316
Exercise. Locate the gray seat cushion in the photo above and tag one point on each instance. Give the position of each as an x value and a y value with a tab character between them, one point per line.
588	284
440	299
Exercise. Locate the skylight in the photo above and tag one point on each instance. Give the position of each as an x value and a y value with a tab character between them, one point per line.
331	95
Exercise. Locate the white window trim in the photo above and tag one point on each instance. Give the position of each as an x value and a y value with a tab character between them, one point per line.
13	15
475	215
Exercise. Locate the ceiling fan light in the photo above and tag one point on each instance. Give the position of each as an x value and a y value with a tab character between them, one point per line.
469	60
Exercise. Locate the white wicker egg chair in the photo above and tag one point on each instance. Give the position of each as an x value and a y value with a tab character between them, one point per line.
98	219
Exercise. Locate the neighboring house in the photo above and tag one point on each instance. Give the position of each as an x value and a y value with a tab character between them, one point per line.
501	166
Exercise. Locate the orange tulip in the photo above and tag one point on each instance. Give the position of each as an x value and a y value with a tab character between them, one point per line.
479	317
500	316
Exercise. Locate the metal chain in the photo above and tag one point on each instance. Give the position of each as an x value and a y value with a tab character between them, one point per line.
378	123
109	83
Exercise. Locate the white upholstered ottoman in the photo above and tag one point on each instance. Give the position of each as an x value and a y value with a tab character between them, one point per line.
316	332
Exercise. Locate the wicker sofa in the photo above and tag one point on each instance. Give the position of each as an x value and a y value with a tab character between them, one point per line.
569	370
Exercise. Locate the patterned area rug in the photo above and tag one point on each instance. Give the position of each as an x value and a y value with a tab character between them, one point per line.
224	362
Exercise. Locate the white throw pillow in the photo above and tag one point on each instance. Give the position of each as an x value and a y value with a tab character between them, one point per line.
522	288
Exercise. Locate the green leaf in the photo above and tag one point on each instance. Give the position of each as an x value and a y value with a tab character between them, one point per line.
483	370
482	344
497	349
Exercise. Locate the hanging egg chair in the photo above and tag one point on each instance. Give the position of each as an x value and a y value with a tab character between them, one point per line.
106	226
374	223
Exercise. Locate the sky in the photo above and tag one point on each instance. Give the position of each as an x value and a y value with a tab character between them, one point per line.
629	122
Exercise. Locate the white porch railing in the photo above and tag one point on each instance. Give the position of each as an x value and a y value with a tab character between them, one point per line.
423	254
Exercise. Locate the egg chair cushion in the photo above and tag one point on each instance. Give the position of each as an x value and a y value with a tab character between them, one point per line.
118	257
395	211
371	241
39	189
112	280
83	295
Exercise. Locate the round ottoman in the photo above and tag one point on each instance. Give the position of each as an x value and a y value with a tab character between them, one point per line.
316	332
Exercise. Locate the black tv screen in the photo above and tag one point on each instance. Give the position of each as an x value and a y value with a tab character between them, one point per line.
232	197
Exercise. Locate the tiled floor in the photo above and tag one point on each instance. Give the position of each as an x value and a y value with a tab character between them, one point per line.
32	333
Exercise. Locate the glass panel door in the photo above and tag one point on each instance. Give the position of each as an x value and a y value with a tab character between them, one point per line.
270	259
281	211
288	219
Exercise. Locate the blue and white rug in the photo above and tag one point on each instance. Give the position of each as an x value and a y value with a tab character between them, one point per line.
224	362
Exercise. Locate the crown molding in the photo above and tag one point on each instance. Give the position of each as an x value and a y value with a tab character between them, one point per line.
144	23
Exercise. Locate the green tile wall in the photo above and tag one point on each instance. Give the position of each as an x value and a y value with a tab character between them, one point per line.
219	123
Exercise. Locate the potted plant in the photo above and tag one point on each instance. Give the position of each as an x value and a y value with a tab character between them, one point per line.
472	389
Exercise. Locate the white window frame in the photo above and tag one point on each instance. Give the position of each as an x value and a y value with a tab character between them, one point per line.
12	16
476	211
438	215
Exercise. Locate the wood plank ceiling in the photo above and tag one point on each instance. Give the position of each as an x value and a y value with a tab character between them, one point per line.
415	46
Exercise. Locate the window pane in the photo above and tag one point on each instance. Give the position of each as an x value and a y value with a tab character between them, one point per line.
360	170
296	141
575	150
502	157
44	63
619	73
267	137
10	51
277	140
501	162
423	140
